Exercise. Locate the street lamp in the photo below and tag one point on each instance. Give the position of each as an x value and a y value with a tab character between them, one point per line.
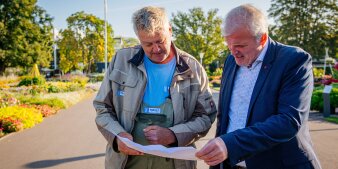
105	35
54	47
201	58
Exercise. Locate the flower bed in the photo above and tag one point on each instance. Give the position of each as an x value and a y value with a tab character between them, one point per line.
24	106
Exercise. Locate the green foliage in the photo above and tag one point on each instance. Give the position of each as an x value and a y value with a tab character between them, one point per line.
82	43
100	77
332	119
28	116
317	99
318	73
130	42
53	89
218	72
196	33
82	80
8	100
53	102
311	25
10	124
31	80
58	87
335	74
25	34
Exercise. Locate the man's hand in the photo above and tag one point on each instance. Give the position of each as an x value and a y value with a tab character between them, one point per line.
159	135
124	148
214	152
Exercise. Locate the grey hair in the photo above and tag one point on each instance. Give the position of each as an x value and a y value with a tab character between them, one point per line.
150	19
248	16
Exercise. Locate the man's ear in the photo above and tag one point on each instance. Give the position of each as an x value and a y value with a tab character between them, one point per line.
264	38
170	29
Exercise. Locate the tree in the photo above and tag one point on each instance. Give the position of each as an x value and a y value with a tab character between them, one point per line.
82	43
70	52
196	33
311	25
130	42
25	34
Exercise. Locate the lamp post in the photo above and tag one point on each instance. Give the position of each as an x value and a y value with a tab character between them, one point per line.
54	48
201	58
105	35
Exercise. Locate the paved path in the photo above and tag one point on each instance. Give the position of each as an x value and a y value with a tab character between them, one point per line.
70	140
67	140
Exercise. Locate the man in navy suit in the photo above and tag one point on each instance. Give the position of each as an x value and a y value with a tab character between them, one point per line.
264	100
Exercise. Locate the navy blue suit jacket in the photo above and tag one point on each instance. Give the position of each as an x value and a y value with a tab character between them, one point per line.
276	135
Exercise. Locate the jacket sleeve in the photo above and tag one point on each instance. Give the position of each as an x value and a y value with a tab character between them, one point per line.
202	117
106	119
293	104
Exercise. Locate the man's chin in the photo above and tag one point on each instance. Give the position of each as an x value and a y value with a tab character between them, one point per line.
240	63
158	58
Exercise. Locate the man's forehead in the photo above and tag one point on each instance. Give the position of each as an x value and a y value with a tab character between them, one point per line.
240	35
154	36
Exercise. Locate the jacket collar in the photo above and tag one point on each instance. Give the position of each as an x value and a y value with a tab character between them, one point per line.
181	65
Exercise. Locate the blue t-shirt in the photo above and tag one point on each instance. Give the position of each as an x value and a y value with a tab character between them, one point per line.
159	78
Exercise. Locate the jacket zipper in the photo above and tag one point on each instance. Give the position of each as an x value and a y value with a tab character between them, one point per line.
133	121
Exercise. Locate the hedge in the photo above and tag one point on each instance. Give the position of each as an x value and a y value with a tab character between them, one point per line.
317	99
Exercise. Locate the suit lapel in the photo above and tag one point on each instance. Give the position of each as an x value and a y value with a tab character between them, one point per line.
263	74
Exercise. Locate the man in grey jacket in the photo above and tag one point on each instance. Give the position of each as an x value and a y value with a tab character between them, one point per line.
153	94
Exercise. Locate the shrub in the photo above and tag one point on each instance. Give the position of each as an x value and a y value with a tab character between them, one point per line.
28	116
57	87
318	73
76	79
52	102
217	72
4	85
2	133
317	102
46	110
82	80
30	80
10	124
53	89
100	77
8	100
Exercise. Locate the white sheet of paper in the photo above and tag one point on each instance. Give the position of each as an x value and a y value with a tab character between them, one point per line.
183	153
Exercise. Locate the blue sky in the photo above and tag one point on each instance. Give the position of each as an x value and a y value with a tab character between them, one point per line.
120	11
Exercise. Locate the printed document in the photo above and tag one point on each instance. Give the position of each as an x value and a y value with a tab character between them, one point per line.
183	153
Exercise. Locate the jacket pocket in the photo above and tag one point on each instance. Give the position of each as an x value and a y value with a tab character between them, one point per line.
122	78
207	103
124	90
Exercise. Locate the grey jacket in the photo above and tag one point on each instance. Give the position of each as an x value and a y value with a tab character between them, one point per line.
120	97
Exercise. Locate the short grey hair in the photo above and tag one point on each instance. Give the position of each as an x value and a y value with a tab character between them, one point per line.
248	16
150	19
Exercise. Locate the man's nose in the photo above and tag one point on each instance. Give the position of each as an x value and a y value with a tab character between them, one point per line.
156	47
233	49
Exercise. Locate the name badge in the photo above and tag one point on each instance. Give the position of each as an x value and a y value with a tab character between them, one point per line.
120	93
152	110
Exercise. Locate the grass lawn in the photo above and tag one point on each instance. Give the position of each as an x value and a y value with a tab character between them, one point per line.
332	119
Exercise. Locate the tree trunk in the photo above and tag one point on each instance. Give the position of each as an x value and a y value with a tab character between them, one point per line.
2	67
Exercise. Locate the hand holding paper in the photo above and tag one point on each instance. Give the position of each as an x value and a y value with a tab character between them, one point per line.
123	148
159	135
214	152
183	153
